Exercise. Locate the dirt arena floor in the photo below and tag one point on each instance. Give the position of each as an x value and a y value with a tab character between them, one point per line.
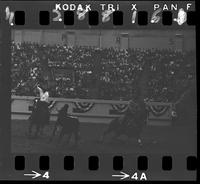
156	139
176	141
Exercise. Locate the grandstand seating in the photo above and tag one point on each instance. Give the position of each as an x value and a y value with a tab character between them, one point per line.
101	73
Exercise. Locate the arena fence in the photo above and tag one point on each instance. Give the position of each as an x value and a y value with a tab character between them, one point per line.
92	110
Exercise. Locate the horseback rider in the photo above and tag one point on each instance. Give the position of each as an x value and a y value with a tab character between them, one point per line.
44	97
44	94
62	114
69	125
40	114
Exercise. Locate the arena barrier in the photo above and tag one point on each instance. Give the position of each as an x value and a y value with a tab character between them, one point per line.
92	111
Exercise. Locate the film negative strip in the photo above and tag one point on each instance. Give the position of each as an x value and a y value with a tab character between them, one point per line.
98	90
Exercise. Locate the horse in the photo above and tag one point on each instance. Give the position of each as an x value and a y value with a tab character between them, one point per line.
132	129
39	118
69	125
184	110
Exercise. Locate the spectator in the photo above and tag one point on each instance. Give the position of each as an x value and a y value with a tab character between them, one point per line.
101	73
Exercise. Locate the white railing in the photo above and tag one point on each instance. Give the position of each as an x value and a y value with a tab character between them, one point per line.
99	111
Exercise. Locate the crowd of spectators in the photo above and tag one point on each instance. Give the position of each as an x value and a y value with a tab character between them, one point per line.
106	73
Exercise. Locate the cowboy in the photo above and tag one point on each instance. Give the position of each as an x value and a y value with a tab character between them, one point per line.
43	105
62	114
68	124
40	114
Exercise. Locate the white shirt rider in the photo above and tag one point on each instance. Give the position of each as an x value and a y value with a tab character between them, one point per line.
44	97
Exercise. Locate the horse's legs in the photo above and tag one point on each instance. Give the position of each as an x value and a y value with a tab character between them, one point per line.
116	136
76	137
69	137
62	133
139	139
105	133
41	130
30	129
36	131
138	136
54	133
103	136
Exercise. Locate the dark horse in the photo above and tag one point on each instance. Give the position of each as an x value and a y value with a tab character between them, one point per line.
39	117
69	125
132	129
185	108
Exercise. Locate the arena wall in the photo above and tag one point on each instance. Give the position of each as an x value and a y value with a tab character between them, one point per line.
121	39
99	113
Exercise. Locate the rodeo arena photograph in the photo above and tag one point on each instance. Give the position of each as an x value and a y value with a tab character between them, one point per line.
103	91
